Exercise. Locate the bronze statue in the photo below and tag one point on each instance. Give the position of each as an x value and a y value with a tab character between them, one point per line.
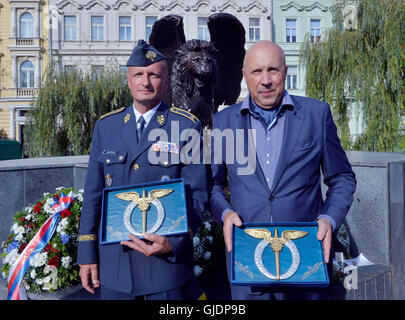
204	75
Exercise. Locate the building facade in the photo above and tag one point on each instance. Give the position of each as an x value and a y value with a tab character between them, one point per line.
92	35
23	60
98	33
293	21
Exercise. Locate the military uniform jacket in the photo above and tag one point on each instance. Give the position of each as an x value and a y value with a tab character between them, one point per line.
115	153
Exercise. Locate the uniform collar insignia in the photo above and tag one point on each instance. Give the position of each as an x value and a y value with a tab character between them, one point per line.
127	117
161	119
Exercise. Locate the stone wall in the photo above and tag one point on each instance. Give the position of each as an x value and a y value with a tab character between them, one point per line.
375	221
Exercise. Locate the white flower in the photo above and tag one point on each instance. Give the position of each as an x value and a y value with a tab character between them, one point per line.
19	237
45	194
79	197
46	269
207	255
17	229
46	279
11	257
39	259
66	261
207	225
48	208
63	223
59	188
196	241
81	190
33	274
28	217
197	270
39	281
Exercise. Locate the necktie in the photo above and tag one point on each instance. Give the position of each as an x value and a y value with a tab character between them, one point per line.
140	127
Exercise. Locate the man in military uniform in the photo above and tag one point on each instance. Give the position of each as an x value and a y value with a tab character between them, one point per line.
158	267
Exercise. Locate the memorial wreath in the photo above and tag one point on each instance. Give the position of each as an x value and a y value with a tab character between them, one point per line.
40	252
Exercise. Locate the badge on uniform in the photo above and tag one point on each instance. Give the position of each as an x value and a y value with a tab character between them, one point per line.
160	119
108	180
156	207
169	147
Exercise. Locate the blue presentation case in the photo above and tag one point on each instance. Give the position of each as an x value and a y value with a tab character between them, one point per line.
113	228
301	260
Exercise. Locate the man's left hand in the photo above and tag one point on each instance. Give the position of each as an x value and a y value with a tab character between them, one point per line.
155	245
325	235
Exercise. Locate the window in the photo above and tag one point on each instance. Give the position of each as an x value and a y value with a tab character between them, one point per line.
254	29
27	74
97	70
97	28
70	68
26	25
291	30
125	28
291	78
70	26
315	30
203	33
149	21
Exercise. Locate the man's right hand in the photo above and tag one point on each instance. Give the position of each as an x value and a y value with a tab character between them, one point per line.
89	277
231	218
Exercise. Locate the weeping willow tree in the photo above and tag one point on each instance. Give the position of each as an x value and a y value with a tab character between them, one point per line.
365	69
68	105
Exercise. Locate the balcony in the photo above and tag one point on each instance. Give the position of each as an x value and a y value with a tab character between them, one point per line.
26	92
9	94
21	43
24	42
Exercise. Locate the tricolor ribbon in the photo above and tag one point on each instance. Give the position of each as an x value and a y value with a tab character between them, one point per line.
36	245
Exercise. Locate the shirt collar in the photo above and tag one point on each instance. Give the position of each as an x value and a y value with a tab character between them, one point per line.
147	115
286	101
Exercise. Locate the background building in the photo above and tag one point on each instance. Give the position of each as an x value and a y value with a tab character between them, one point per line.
23	59
93	35
292	21
96	34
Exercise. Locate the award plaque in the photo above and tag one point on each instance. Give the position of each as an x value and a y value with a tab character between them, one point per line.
278	254
156	207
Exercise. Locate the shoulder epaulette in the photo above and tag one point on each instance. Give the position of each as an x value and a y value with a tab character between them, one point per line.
112	112
184	113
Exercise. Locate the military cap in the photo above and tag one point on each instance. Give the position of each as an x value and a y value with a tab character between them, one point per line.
144	55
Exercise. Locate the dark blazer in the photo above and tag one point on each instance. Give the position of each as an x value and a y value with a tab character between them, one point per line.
310	144
116	152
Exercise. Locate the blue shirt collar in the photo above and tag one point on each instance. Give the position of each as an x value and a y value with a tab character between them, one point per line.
266	117
287	101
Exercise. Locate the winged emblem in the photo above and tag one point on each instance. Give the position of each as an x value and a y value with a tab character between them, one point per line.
276	243
143	202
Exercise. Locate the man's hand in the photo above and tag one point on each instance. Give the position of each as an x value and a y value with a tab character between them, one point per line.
325	235
155	245
89	277
231	218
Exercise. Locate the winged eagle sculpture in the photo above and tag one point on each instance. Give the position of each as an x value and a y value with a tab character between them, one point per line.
143	202
204	74
276	243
